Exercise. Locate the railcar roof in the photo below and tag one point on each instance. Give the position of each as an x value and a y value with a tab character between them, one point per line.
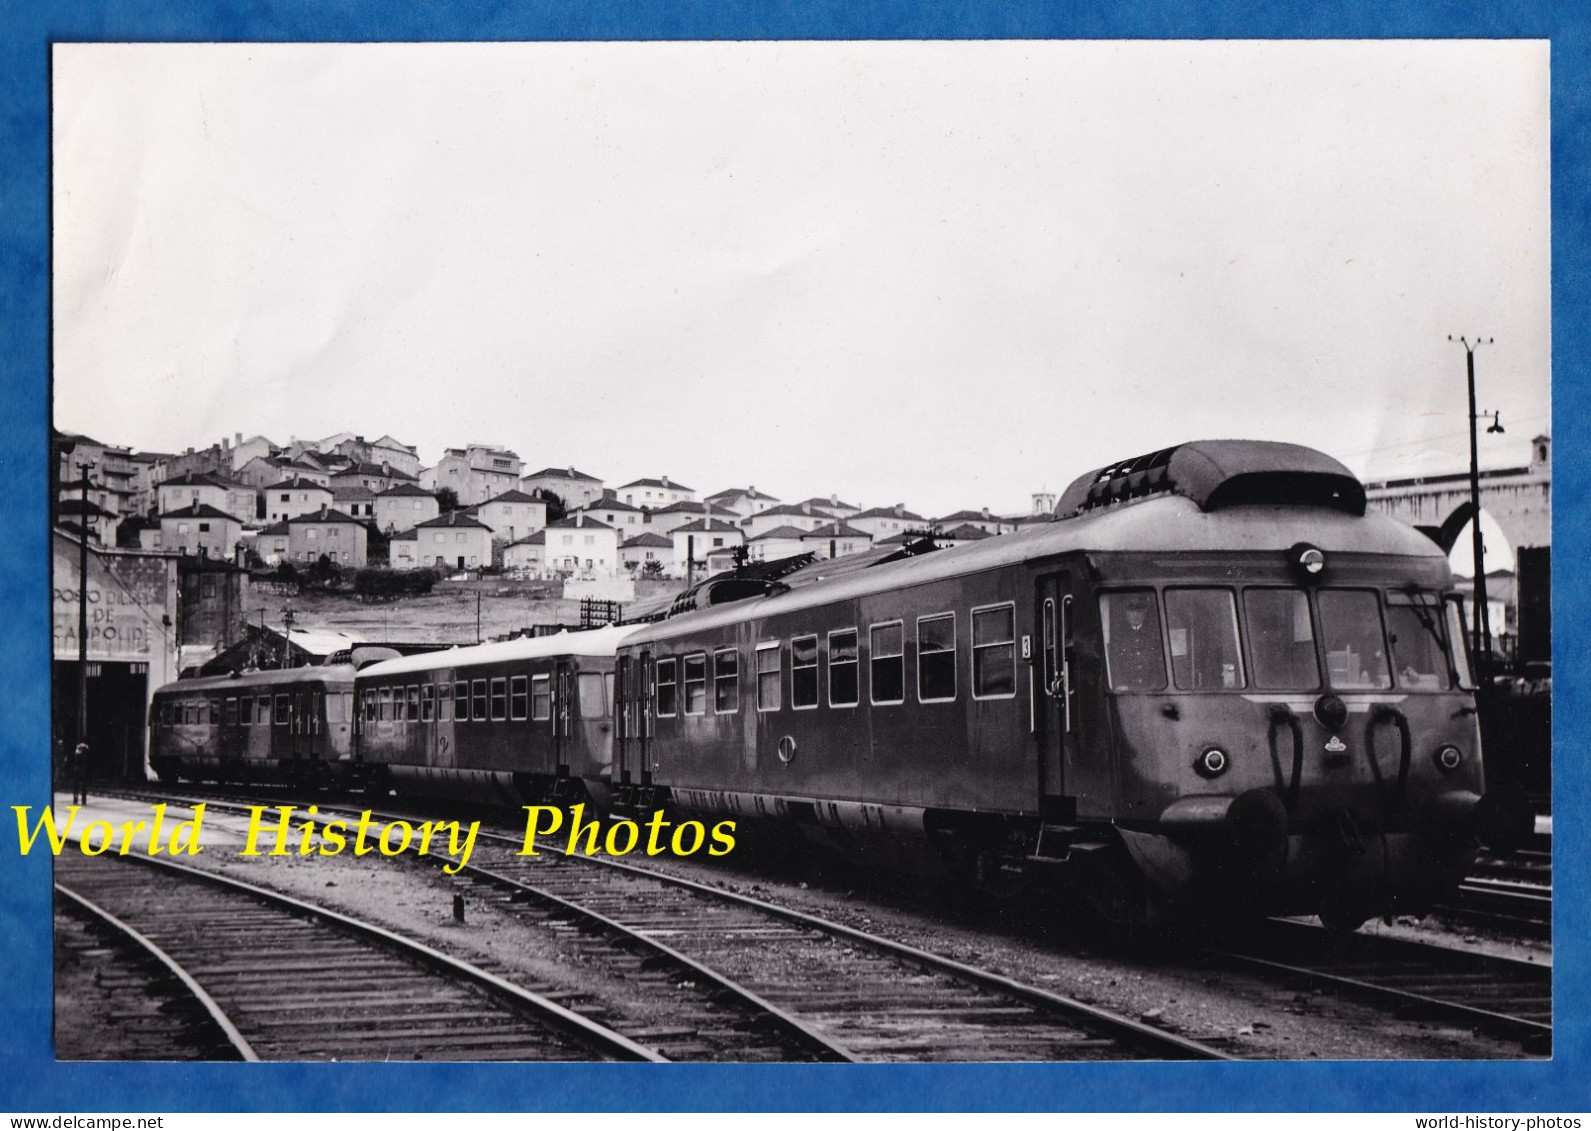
595	642
1168	524
330	673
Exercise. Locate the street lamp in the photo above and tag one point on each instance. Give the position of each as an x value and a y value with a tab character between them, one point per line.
1482	629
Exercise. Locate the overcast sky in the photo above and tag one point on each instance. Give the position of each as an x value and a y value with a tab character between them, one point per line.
948	274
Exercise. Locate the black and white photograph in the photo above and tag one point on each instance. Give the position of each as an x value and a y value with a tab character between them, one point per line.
764	552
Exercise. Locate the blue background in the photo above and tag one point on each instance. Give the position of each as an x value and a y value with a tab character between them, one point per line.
30	1080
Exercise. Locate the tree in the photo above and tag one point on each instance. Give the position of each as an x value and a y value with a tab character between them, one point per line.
652	570
447	499
556	507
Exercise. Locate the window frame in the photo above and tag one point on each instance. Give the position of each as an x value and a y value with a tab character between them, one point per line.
955	646
855	662
685	681
518	693
775	647
817	661
1236	597
461	703
718	681
543	681
1009	645
672	683
427	702
479	704
873	659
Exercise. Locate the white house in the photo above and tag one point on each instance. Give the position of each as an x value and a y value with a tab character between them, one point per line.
649	494
236	499
780	542
624	518
512	515
293	497
448	541
403	508
582	547
646	548
802	516
837	540
528	556
574	487
744	501
884	522
697	540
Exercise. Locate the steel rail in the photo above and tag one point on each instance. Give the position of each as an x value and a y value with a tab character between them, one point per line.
216	1014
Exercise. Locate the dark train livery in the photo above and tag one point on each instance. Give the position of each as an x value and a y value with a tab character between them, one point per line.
294	726
1214	681
510	722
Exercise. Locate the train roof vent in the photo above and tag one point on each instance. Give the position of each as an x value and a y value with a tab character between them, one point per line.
1220	473
365	655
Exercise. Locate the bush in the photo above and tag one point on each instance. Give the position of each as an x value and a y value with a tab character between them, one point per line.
387	585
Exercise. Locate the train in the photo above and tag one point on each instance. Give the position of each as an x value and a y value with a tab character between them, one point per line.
1213	683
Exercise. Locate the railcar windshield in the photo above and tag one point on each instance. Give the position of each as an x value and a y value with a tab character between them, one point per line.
1419	652
1134	656
1202	625
1282	639
1356	653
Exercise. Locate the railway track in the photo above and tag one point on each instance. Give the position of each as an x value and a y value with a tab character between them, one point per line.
1499	996
789	985
294	981
1509	893
143	1005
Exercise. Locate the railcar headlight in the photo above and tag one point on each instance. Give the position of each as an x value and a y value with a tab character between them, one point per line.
1308	561
1212	762
1448	758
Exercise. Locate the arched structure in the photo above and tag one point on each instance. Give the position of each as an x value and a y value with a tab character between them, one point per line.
1519	498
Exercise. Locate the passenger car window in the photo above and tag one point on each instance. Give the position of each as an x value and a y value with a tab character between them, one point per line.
936	658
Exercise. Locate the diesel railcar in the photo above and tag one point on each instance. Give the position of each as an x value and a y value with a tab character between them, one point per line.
293	726
525	720
1214	681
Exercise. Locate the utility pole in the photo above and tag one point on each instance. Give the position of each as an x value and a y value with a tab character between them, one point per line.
82	609
1481	629
287	640
477	616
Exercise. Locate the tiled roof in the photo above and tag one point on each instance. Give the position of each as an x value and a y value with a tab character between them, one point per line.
455	519
289	484
966	532
889	512
275	530
204	479
511	496
388	472
837	530
832	501
647	540
330	514
802	510
970	516
749	492
671	485
405	491
199	510
706	525
352	493
561	473
584	521
791	532
537	539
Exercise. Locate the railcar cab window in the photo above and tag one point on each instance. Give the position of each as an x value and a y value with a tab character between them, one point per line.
413	699
887	663
994	652
245	711
696	684
541	697
844	690
444	698
726	681
478	700
1456	636
281	710
588	685
1281	639
667	688
1202	625
1134	657
1356	654
461	701
803	672
768	663
499	699
517	697
427	703
1419	648
262	710
936	658
231	715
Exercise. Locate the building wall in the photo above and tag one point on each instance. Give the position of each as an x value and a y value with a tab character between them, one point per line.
341	542
215	537
471	543
403	512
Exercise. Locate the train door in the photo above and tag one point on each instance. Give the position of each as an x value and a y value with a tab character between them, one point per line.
1054	677
644	736
564	711
623	721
